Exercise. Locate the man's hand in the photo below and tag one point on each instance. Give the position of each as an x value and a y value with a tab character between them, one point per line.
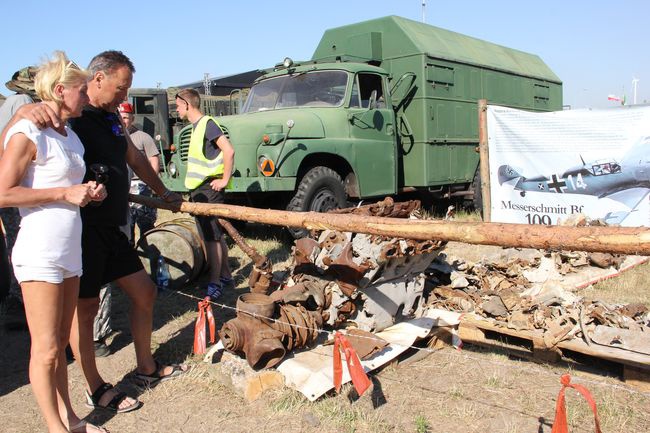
219	184
41	115
172	197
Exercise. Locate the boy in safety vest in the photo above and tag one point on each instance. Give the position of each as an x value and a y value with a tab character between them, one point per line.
209	167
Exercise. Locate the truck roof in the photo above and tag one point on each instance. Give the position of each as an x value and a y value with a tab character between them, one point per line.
366	41
310	65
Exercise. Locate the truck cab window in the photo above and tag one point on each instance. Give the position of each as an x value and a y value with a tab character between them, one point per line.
316	89
363	87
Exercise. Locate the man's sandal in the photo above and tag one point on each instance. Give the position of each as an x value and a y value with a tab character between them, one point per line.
153	379
92	401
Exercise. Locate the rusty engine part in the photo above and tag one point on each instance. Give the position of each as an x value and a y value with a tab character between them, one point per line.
263	336
252	333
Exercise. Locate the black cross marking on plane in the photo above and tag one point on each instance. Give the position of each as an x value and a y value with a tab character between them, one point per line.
557	184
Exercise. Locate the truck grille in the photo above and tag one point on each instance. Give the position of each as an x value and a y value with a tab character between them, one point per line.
184	141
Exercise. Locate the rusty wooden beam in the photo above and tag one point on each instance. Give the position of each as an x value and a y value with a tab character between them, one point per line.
617	240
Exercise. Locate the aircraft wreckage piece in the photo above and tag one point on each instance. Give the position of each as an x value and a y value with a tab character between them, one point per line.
619	240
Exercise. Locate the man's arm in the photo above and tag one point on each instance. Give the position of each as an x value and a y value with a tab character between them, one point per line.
142	167
228	161
40	114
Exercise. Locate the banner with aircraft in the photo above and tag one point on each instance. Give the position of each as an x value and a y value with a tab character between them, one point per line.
545	167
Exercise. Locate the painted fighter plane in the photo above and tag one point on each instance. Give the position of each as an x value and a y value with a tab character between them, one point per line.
627	182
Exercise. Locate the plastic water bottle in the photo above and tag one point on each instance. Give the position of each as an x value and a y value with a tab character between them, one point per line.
162	274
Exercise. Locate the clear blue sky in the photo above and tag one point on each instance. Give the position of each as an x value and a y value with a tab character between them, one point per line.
596	47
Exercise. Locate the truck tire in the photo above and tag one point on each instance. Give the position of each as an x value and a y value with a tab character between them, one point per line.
320	190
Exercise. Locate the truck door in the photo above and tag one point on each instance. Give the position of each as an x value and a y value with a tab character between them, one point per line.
372	132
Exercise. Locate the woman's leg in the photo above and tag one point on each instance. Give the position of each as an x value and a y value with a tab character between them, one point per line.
43	310
70	296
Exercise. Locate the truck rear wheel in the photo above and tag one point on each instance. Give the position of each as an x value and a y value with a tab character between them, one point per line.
320	190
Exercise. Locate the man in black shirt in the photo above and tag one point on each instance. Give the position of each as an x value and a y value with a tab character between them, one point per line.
106	252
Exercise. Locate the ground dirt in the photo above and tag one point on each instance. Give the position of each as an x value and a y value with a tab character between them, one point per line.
472	390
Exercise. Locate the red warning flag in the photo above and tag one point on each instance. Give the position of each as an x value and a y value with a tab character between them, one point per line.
205	314
560	424
359	378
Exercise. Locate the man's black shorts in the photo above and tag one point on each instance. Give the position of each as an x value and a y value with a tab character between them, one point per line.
209	229
106	256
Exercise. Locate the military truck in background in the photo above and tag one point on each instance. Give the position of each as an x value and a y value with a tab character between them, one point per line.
384	106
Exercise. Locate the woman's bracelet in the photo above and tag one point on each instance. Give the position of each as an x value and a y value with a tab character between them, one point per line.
166	194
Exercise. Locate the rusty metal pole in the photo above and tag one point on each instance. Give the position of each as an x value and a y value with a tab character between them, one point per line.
484	163
617	240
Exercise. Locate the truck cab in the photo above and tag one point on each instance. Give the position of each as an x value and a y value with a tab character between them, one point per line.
323	118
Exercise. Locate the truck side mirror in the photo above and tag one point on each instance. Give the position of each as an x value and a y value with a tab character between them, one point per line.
402	88
372	102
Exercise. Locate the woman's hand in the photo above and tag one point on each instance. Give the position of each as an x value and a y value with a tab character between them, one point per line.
79	195
97	191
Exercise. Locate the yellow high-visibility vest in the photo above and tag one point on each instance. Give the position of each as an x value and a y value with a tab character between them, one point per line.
199	167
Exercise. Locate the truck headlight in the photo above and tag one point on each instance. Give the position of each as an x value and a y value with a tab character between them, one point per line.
171	168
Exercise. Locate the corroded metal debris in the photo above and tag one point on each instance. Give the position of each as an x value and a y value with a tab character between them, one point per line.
340	280
367	283
526	295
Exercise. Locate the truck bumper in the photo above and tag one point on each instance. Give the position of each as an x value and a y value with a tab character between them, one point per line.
262	184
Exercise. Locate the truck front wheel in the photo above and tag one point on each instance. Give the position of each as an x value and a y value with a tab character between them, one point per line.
320	190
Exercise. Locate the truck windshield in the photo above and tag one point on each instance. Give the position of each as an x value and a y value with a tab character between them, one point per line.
309	89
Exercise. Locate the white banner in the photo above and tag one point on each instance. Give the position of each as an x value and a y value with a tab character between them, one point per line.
545	167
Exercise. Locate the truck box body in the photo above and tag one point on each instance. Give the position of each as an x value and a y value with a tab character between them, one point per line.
453	72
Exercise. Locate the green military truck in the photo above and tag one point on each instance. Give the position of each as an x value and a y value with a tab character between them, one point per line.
384	106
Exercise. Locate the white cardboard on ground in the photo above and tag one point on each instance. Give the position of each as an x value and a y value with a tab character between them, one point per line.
310	372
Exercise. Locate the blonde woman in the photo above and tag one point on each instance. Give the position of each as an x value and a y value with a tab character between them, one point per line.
41	173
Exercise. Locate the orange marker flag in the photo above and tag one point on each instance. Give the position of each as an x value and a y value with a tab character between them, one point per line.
205	314
560	424
359	378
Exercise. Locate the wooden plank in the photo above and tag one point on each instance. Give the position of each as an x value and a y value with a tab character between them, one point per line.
484	160
548	354
624	357
477	336
637	378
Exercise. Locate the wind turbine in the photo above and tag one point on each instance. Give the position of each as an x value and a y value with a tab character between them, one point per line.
635	81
